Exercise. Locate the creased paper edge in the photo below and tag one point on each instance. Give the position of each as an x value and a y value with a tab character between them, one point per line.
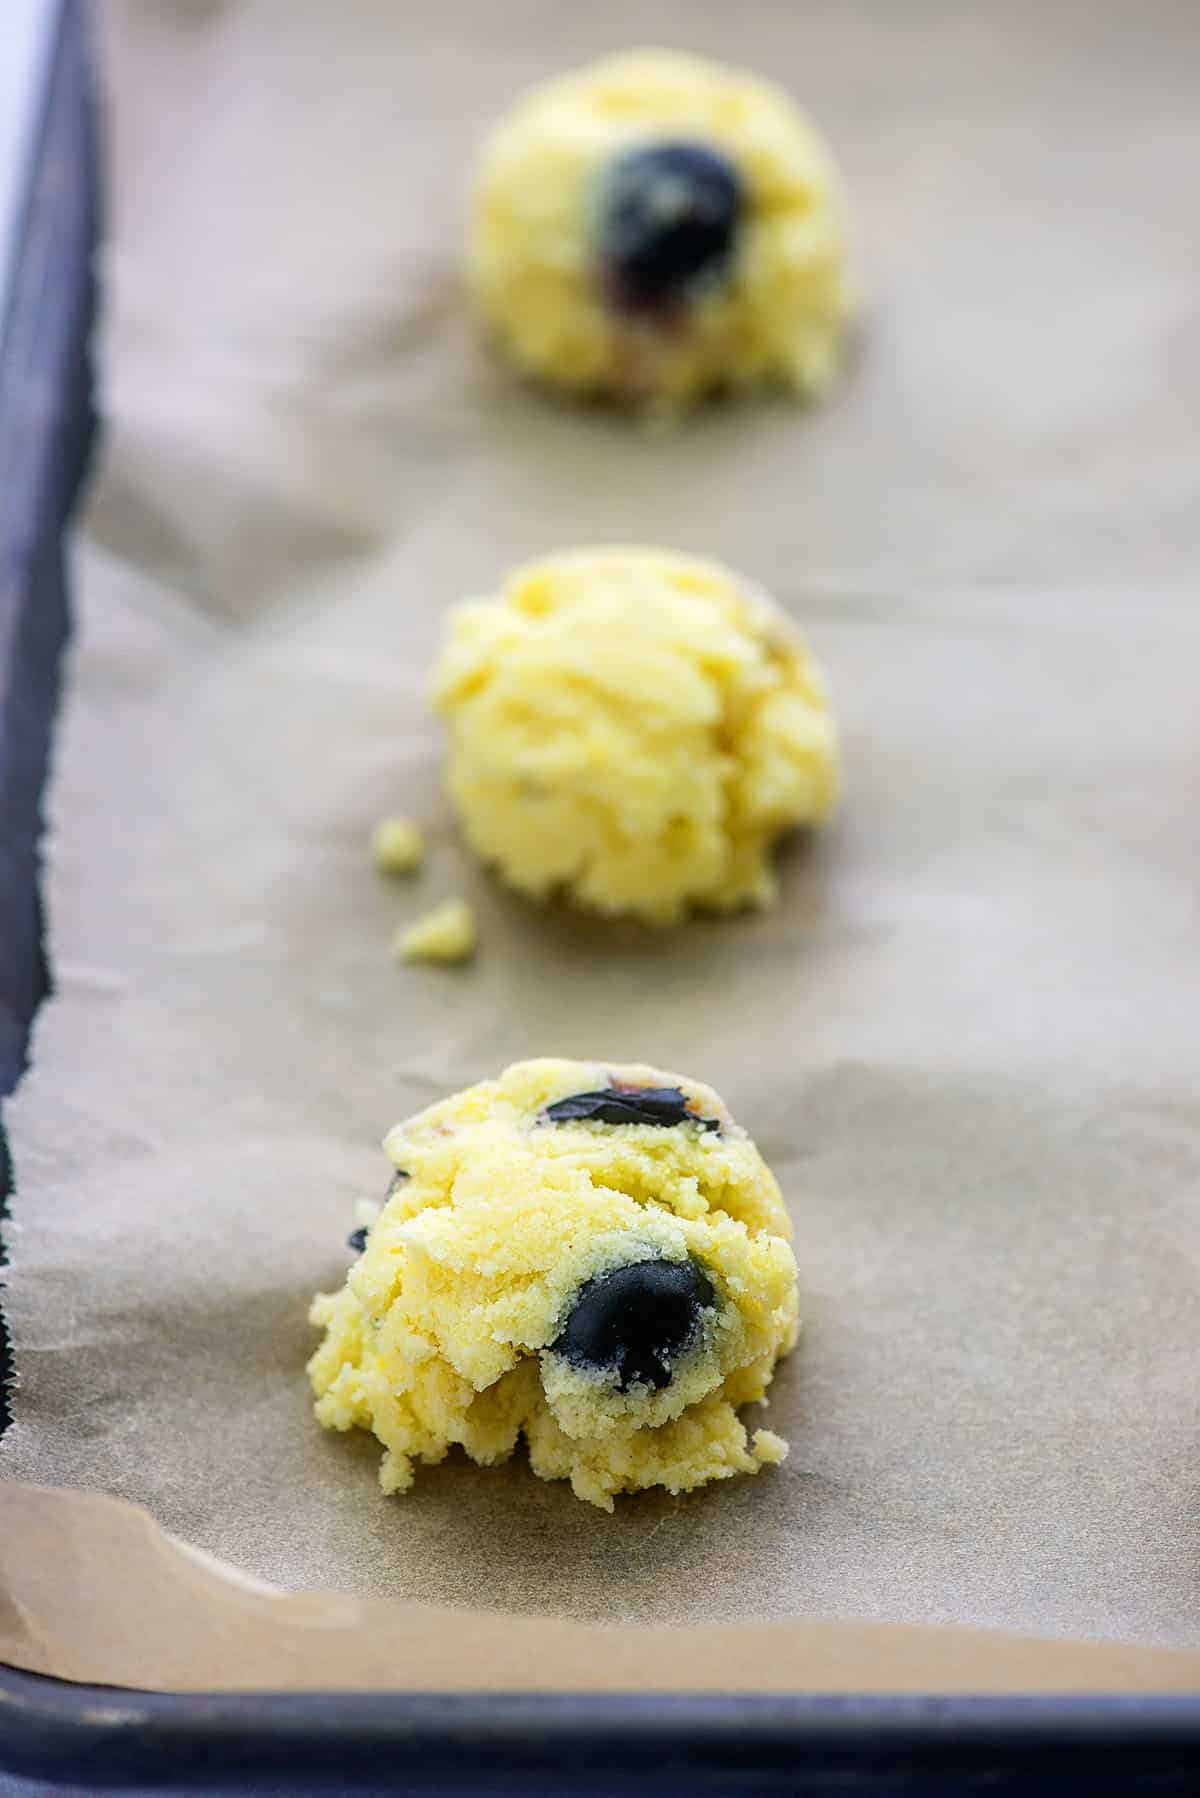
96	1592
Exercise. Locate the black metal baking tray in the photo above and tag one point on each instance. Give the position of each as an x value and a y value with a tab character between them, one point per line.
46	430
69	1738
1088	1748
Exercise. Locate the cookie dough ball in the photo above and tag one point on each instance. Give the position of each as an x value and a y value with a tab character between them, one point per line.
634	728
656	227
594	1257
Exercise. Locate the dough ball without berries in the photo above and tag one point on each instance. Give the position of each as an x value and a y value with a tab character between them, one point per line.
633	729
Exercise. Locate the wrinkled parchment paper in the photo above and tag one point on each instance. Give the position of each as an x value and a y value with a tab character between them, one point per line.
91	1589
968	1037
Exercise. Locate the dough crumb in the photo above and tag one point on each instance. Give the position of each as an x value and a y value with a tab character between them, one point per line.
769	1448
397	846
447	933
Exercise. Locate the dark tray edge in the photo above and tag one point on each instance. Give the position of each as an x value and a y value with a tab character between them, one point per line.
650	1743
47	429
46	433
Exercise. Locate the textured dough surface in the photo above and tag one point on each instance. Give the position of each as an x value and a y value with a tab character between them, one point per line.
633	728
779	316
444	1331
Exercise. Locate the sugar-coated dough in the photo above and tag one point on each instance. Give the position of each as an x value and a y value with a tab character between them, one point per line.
595	1257
633	728
447	933
769	309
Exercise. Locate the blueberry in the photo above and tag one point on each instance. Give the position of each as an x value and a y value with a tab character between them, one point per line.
662	1105
357	1239
397	1181
667	222
634	1321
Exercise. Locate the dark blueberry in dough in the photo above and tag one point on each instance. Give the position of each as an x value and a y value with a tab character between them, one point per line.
635	1321
668	220
357	1239
397	1181
663	1105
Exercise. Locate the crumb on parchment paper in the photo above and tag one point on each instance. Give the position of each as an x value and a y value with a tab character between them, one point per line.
397	846
445	934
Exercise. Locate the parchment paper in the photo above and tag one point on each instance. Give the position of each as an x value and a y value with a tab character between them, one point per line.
93	1590
966	1040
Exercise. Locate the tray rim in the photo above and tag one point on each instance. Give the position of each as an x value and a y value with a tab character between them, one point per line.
51	1727
46	436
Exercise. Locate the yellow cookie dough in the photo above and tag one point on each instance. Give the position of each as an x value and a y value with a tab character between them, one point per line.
447	933
633	728
655	227
397	846
592	1256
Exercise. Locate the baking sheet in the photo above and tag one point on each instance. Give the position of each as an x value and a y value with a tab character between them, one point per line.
967	1038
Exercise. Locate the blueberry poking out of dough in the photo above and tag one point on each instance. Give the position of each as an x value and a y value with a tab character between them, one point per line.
662	1105
357	1239
635	1321
668	220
